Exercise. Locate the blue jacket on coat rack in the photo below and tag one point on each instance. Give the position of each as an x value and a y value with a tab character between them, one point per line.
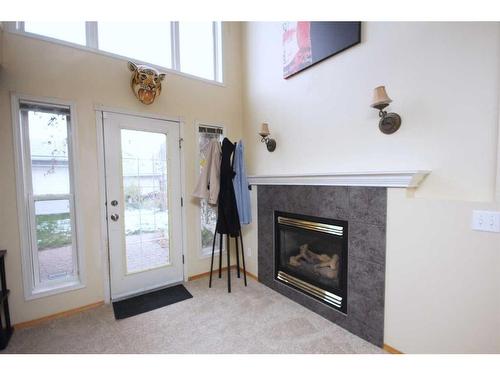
240	184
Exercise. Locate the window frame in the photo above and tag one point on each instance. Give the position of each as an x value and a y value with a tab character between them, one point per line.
198	125
33	288
92	45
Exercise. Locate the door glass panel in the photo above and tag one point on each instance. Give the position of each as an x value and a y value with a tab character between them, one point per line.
144	168
54	239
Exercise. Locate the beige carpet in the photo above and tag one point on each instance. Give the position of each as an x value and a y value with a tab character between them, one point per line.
250	320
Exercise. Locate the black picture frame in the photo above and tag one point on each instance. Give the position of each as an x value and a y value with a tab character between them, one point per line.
306	44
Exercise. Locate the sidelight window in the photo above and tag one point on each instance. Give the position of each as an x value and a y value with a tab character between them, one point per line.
208	213
46	196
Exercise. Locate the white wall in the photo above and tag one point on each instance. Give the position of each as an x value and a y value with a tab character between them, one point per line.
41	68
444	80
442	280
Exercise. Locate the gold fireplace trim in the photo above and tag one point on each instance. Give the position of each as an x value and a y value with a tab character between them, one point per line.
320	293
311	225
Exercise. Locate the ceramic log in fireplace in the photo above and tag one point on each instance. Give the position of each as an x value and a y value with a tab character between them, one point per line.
311	256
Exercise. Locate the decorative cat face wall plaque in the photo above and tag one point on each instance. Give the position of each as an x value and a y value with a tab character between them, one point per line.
145	82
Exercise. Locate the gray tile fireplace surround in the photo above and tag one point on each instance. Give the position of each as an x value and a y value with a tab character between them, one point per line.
365	209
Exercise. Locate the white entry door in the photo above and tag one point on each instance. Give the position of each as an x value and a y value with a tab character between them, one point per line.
143	193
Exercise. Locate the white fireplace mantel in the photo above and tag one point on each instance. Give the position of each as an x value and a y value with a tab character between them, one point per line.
393	179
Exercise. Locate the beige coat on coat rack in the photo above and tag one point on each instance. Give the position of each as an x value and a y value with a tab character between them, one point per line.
208	184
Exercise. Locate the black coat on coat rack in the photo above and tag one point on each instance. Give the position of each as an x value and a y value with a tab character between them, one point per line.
228	221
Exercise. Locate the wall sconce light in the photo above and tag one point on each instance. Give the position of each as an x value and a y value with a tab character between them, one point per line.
264	133
389	122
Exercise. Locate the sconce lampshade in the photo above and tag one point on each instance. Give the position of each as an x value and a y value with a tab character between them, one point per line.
380	98
264	130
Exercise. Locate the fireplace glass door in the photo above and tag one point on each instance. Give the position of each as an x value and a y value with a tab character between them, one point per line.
311	256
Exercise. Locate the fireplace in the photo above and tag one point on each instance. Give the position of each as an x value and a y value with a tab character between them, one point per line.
311	256
363	211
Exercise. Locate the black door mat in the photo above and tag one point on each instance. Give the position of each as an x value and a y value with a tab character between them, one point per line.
150	301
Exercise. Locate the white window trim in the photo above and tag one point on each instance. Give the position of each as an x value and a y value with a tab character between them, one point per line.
91	30
204	254
174	45
91	37
31	288
218	52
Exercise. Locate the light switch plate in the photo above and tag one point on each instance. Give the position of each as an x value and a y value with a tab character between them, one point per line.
486	221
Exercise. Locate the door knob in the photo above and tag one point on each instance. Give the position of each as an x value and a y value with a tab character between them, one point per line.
114	203
115	217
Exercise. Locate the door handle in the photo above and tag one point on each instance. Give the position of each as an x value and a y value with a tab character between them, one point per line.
115	217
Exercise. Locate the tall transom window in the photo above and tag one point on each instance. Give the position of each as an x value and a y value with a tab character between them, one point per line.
193	48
